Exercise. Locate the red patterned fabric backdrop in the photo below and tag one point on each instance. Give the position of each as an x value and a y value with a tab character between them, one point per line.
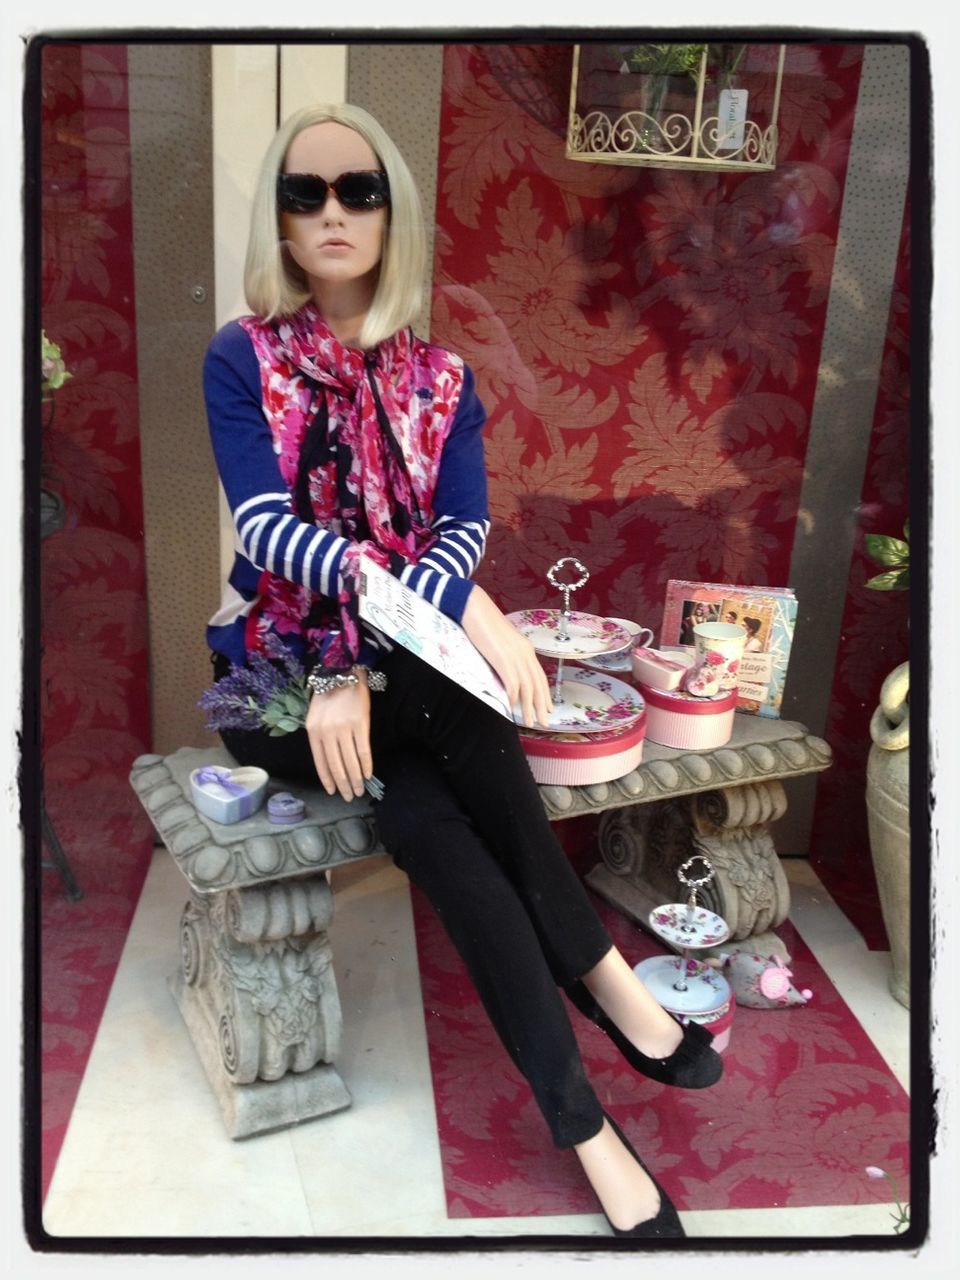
874	637
647	342
95	691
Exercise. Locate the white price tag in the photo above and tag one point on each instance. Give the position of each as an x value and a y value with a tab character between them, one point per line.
732	113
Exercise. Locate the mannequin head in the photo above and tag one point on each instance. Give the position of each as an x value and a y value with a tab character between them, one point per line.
275	284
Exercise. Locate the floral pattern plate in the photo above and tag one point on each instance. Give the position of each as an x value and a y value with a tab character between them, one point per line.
684	927
589	633
591	702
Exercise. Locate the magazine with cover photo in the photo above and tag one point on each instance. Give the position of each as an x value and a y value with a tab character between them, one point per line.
768	614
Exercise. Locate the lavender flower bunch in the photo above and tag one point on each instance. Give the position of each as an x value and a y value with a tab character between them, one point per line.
269	693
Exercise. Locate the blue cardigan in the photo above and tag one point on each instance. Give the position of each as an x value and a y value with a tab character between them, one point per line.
268	535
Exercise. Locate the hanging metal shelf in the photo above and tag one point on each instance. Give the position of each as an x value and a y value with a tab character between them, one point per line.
697	118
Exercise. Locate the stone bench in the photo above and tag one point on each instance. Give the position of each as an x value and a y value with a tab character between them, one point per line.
256	985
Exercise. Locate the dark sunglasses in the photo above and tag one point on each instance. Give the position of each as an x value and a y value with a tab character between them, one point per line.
358	190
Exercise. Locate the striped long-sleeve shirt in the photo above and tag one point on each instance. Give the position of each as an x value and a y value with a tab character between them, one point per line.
269	535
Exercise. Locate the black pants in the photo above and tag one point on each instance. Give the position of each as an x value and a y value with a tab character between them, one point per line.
462	816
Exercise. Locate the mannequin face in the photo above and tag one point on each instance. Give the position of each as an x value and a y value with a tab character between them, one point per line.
335	247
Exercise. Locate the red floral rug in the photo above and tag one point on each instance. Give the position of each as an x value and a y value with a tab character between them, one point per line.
805	1104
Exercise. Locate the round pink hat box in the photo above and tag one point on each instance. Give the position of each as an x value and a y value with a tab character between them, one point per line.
676	718
719	1022
577	760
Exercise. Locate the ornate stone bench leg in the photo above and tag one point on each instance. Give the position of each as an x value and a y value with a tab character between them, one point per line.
257	991
643	847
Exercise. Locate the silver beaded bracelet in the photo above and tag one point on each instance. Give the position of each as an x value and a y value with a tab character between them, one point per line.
321	681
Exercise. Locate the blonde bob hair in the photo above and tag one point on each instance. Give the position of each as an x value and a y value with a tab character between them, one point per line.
273	283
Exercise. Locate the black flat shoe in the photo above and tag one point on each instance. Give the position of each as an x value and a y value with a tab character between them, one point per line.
694	1064
667	1222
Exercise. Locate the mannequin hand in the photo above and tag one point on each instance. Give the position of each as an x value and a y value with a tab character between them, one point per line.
338	727
511	655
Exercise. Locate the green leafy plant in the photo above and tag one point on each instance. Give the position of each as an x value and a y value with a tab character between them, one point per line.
684	59
53	370
892	555
666	59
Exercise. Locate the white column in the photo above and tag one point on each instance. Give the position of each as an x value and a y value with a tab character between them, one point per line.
311	73
244	120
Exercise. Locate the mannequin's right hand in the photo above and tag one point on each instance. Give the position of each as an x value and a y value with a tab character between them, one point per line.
511	655
338	727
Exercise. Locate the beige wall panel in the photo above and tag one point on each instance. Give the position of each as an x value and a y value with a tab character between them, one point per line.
173	235
868	241
311	73
400	85
244	120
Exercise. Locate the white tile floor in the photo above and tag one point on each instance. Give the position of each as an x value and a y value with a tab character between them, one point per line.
146	1155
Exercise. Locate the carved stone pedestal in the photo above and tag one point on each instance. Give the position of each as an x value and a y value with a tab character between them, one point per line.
643	848
256	984
720	803
257	991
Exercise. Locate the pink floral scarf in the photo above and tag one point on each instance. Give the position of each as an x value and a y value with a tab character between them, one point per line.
372	426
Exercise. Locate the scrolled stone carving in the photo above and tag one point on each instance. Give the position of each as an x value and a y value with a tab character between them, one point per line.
644	848
275	1001
281	909
737	807
191	944
648	844
621	841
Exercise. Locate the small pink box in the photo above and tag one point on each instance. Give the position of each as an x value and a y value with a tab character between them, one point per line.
576	760
719	1022
677	719
655	669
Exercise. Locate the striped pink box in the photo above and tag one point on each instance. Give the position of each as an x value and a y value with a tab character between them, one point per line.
676	718
576	760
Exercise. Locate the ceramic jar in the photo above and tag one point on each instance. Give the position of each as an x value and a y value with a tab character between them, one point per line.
888	819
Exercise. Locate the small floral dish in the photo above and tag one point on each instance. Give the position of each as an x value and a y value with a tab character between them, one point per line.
587	633
228	795
617	663
592	702
686	926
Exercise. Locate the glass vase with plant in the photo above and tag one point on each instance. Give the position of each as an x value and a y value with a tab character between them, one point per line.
659	62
